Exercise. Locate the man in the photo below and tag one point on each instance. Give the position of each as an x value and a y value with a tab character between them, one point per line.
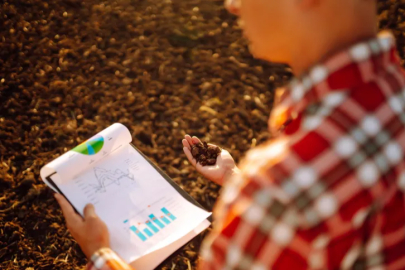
328	191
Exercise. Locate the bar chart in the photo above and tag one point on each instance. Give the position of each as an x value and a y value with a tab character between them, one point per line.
167	213
153	225
138	233
148	233
165	220
150	225
157	221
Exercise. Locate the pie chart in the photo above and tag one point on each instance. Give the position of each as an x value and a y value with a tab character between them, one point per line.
90	147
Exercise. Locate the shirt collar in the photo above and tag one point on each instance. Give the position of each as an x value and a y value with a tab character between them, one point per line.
361	63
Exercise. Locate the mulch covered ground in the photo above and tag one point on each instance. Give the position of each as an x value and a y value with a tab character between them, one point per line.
164	68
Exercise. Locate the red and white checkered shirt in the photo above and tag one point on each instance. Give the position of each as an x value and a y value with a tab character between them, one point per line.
328	191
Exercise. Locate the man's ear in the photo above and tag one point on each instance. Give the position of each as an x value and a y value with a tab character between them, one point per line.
305	4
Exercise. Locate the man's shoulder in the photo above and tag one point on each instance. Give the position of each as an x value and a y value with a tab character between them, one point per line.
334	139
298	161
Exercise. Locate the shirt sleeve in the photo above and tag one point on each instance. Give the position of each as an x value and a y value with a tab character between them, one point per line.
257	225
106	259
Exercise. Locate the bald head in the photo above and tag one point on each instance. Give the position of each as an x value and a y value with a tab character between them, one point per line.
301	31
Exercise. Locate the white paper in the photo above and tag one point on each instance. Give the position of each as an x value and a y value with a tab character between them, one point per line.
125	190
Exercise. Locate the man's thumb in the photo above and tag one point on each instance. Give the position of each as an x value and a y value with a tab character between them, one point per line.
89	212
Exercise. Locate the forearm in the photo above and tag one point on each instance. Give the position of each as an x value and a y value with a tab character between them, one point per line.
231	173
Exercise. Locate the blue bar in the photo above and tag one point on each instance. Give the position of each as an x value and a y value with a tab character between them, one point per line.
150	225
148	233
167	213
157	221
138	233
125	221
165	220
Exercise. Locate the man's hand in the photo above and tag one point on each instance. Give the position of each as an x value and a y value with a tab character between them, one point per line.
218	173
91	233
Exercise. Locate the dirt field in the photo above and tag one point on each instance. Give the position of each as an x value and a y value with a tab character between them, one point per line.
164	68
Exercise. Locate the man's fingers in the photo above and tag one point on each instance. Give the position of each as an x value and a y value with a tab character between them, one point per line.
186	144
89	212
196	140
69	213
193	140
189	139
189	156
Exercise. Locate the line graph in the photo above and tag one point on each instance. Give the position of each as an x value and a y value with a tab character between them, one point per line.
107	177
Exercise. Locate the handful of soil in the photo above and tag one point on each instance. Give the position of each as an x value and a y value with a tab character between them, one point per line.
205	154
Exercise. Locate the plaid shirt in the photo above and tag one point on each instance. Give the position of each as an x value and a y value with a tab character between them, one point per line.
328	191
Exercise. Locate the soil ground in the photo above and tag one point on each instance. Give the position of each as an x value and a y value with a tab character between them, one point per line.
164	68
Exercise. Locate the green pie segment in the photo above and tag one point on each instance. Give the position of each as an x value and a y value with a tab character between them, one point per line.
90	147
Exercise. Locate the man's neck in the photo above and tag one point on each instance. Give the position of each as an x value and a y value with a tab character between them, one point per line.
309	56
